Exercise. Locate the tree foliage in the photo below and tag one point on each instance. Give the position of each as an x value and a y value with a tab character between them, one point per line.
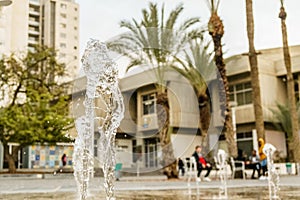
282	118
156	39
34	106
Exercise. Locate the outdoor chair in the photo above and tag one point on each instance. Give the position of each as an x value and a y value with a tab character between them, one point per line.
237	166
190	166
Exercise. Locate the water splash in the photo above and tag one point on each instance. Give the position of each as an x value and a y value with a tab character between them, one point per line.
222	160
273	177
104	110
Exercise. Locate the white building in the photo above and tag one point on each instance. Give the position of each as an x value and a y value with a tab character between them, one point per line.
54	23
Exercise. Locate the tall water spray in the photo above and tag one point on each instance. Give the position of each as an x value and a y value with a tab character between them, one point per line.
273	177
222	160
103	112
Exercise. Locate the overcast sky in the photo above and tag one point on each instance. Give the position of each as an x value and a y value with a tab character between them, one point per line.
99	19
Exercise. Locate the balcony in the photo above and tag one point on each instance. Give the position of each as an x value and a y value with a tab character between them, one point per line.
34	13
33	41
34	33
34	23
34	2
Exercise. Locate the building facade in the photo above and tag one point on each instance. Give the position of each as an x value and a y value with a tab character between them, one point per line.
137	140
272	75
54	23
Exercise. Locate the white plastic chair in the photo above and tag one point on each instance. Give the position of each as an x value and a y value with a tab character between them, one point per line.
190	167
235	168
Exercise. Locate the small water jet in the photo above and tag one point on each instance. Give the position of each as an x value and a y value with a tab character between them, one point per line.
273	177
222	160
103	112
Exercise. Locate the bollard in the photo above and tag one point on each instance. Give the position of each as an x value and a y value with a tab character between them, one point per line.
288	168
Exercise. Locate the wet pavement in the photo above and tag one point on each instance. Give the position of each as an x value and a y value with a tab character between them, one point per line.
63	186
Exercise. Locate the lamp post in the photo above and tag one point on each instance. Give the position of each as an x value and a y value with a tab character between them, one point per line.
5	3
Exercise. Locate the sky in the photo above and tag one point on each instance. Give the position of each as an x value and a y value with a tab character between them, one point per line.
99	19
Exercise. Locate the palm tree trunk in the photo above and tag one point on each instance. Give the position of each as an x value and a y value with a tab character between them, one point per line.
216	30
204	111
290	87
163	114
256	96
10	159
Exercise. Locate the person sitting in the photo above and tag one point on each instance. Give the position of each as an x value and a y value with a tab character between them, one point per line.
201	164
255	164
181	166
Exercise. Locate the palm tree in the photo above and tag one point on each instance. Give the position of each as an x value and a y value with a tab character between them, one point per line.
282	121
290	86
216	30
154	42
256	96
198	67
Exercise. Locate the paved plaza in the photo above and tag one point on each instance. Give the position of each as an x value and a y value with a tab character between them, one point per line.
63	186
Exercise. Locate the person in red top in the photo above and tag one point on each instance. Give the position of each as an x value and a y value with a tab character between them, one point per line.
201	164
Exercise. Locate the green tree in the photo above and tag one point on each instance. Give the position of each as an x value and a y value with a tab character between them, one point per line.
282	121
198	67
256	96
154	41
216	30
34	107
290	86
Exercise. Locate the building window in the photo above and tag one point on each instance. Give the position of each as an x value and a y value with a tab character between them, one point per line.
75	18
63	35
75	37
149	102
75	57
63	45
244	144
296	87
241	93
75	9
75	27
63	15
63	6
62	25
75	47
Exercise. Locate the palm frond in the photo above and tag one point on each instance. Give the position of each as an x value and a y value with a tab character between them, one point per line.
213	5
173	17
282	118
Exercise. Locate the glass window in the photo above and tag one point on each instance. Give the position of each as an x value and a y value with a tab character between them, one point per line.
62	25
241	93
63	45
63	35
296	87
63	15
149	102
62	5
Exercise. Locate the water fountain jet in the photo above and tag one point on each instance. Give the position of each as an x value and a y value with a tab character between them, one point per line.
103	112
273	177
